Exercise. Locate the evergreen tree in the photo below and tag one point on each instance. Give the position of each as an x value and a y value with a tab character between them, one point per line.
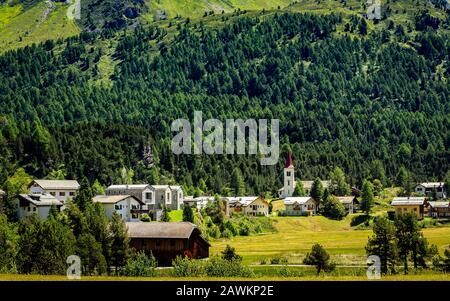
339	186
367	197
84	195
237	183
408	234
120	242
383	244
320	258
91	256
188	214
299	190
317	191
332	208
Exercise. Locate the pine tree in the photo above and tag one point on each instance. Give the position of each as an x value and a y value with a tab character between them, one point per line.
339	186
165	217
317	191
237	183
188	214
320	258
367	197
84	195
120	248
383	244
299	190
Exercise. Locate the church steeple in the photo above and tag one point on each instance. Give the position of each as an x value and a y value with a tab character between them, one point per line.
289	177
289	162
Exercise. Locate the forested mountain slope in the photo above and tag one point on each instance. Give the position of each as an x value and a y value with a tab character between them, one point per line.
367	97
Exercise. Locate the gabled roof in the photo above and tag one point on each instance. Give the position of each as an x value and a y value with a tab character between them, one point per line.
56	184
161	230
439	204
175	187
160	186
243	200
40	199
128	187
346	199
299	200
431	184
113	199
399	201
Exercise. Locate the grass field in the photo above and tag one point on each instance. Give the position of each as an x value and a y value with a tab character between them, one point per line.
296	235
19	27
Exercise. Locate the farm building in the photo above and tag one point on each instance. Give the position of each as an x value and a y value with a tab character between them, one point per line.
168	240
439	209
295	206
415	205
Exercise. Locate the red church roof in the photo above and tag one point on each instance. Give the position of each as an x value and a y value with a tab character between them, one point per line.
289	162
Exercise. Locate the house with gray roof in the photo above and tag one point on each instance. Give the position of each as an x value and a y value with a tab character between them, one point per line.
39	204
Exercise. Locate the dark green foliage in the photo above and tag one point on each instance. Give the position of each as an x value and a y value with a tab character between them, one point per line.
165	217
317	191
299	190
368	200
120	244
332	208
140	265
383	244
340	101
90	252
84	195
188	214
320	258
230	254
9	245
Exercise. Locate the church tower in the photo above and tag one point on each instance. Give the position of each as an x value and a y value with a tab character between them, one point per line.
289	177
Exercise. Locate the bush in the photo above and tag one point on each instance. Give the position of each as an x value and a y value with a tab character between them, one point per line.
232	227
219	267
279	260
145	218
227	233
140	265
185	267
230	254
286	272
214	231
245	229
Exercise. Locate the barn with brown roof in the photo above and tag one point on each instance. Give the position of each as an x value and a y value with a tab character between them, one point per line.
168	240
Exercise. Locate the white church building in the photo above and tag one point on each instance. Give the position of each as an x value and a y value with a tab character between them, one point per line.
289	178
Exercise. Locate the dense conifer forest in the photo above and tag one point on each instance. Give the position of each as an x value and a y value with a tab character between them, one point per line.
368	101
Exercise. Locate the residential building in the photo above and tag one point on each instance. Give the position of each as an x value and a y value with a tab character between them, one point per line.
62	190
249	205
202	201
166	241
297	206
351	203
142	192
427	189
439	209
415	205
128	207
39	204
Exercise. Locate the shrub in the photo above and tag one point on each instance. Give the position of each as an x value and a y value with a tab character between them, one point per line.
245	229
230	254
213	231
140	265
286	272
219	267
185	267
231	226
279	260
145	218
227	233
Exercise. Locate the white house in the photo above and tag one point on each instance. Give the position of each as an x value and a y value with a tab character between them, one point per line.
62	190
427	189
299	206
142	192
39	204
128	207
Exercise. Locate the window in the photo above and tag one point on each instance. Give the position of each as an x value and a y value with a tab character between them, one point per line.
118	207
53	193
34	209
168	196
148	195
71	193
288	173
62	193
28	209
289	183
415	209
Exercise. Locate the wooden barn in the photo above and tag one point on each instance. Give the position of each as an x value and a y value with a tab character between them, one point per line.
168	240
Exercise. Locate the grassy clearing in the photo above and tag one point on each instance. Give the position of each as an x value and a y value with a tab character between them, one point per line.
20	28
296	235
176	215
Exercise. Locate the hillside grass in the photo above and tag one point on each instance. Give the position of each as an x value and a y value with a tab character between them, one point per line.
19	27
296	235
